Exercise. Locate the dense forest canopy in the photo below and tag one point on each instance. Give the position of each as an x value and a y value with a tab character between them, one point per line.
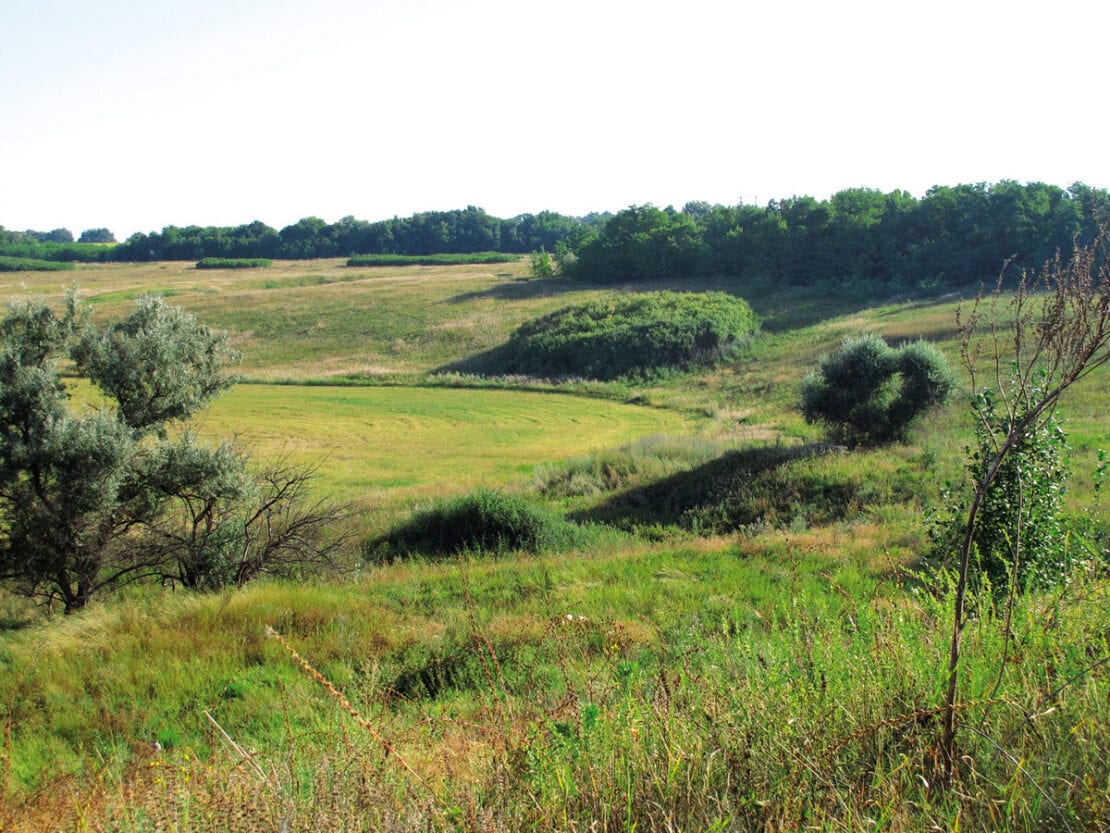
951	236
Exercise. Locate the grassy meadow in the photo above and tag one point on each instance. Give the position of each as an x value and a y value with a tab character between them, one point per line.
407	441
754	639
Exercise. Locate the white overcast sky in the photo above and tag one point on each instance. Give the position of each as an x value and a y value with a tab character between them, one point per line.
136	114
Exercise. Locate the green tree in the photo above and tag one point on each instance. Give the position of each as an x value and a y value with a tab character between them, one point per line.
541	265
92	500
868	393
96	235
159	364
1020	536
58	235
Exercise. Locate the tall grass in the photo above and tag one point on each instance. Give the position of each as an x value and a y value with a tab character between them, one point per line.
656	691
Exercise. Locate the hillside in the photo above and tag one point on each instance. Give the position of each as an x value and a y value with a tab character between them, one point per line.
753	638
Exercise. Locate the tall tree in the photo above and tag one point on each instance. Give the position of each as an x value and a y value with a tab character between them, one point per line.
96	235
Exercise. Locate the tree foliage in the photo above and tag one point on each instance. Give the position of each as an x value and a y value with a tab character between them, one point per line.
540	264
1020	535
90	500
869	393
431	260
952	236
96	235
467	231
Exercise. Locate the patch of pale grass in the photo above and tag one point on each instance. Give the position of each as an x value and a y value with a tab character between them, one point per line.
516	628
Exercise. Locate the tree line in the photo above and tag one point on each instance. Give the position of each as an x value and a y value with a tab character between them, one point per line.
952	236
58	235
462	231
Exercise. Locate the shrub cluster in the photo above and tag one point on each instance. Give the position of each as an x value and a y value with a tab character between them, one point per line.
869	393
431	260
484	520
233	262
1020	530
30	264
632	336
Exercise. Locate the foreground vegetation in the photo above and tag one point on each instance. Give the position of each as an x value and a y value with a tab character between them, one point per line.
754	636
697	686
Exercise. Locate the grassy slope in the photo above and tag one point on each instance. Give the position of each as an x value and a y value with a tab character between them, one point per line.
781	678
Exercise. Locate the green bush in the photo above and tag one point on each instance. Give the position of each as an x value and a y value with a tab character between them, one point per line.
541	264
869	393
431	260
484	520
30	264
635	335
233	263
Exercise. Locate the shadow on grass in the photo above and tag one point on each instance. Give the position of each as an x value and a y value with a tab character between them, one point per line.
492	362
11	623
520	289
741	489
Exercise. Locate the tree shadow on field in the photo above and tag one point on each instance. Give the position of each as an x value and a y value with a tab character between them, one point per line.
519	290
758	486
492	362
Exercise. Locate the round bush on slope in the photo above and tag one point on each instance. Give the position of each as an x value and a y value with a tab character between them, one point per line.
635	335
869	393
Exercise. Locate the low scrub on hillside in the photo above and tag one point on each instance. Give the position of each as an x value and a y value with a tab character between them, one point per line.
31	264
486	521
633	336
233	262
431	260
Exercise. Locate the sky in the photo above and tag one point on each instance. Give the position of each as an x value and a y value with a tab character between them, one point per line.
138	114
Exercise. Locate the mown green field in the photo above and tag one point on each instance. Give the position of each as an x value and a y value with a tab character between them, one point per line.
409	441
690	669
